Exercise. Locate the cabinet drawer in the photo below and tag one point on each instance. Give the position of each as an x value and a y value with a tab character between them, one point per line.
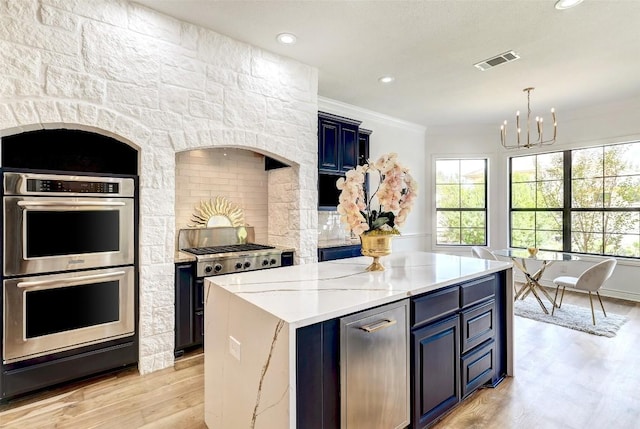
478	290
434	305
478	367
478	324
339	252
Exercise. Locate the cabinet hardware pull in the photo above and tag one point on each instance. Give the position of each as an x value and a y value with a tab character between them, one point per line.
68	281
70	203
380	324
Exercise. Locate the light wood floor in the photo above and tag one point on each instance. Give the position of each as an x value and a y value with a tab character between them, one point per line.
564	379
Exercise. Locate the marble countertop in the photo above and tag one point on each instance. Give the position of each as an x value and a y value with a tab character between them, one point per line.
302	295
180	257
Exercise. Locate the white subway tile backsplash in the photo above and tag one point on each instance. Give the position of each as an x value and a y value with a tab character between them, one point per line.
241	179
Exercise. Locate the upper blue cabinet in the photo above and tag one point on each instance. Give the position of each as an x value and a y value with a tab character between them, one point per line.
338	143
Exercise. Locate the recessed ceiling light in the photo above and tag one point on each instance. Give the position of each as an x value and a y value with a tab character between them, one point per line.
386	79
566	4
286	38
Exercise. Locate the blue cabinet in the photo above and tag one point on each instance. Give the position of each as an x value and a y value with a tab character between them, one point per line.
342	145
339	252
338	143
458	343
455	346
436	375
189	308
363	145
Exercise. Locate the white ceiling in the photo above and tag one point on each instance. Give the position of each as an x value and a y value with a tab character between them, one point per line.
586	55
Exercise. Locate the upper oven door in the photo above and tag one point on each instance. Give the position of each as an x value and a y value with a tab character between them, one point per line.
47	234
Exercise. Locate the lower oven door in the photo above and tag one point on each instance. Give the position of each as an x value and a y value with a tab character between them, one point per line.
53	313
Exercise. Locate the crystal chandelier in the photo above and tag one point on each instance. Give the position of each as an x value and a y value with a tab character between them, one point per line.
525	141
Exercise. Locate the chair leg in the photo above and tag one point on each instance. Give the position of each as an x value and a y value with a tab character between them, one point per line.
555	298
562	296
593	315
600	299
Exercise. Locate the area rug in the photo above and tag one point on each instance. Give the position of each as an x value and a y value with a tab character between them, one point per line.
571	316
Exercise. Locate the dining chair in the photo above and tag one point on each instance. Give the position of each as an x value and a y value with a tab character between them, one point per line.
482	253
591	280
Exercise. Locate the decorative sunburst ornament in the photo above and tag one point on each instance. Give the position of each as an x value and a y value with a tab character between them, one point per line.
217	212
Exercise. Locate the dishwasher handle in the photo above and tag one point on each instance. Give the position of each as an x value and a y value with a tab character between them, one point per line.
376	326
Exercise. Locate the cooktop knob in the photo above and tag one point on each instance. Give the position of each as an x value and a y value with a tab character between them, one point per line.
208	269
247	264
273	261
217	268
238	265
265	262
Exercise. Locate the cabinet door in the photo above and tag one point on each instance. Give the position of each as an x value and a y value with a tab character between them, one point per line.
349	147
363	146
328	140
436	380
184	305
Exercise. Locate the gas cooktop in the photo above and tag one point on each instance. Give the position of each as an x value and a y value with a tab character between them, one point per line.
213	250
226	250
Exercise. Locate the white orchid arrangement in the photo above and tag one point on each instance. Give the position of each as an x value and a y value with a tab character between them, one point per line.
395	195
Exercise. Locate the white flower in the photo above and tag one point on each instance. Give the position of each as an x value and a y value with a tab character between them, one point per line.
396	193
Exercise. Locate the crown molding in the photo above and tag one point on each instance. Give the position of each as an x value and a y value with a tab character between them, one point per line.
329	104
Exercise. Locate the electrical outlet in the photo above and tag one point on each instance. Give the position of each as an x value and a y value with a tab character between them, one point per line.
234	348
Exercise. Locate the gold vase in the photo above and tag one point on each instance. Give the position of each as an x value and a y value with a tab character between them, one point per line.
376	246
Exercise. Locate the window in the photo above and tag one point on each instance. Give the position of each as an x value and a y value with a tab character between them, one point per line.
461	202
537	201
582	200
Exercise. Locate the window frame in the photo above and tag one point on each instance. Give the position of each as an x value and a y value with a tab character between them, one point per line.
484	210
567	208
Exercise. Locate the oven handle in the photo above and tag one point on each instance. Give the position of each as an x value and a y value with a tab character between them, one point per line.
50	284
70	203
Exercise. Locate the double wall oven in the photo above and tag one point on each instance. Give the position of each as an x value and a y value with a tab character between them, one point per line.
69	277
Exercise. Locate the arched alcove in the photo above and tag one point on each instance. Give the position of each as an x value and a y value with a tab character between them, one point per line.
68	150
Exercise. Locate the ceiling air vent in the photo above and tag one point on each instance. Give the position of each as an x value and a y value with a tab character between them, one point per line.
497	60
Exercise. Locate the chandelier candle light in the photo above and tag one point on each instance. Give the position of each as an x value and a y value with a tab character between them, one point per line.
540	141
394	197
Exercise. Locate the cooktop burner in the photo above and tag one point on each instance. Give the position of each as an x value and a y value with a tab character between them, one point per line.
226	249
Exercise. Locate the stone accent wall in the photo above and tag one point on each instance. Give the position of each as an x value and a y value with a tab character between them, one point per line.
163	86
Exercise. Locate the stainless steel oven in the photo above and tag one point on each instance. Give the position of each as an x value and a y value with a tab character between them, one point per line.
60	223
58	312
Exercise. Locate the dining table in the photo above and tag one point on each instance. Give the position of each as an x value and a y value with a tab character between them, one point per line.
546	258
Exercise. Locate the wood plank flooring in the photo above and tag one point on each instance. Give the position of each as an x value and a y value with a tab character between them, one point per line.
564	379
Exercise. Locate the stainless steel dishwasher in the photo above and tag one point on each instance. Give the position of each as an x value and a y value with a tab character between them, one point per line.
374	368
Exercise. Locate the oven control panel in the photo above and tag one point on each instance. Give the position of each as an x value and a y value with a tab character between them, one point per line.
80	187
35	184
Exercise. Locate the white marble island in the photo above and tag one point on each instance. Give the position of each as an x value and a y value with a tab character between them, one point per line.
251	321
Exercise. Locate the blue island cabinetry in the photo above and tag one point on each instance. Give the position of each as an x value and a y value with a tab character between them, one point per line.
457	344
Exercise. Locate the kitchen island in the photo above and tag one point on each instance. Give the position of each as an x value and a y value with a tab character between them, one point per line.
272	338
